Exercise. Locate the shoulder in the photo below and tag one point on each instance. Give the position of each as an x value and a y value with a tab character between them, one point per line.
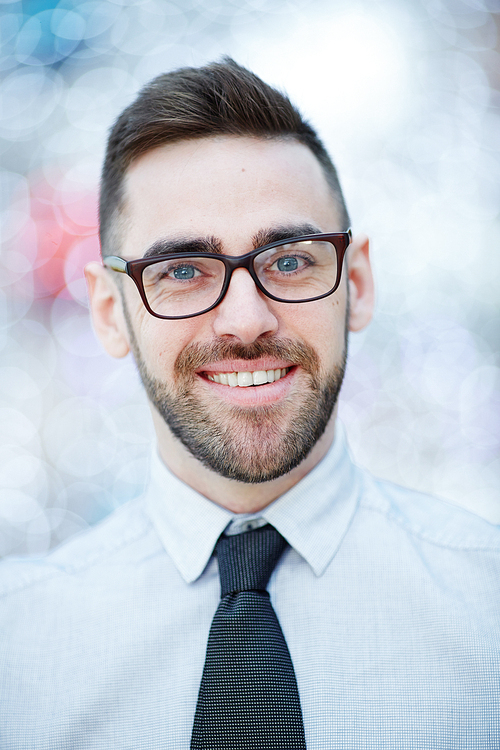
429	518
117	536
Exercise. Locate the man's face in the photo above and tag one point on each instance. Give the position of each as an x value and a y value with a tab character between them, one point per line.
236	194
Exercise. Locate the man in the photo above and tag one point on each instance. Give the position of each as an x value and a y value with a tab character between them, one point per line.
265	592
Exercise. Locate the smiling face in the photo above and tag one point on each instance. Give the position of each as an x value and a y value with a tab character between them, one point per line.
248	387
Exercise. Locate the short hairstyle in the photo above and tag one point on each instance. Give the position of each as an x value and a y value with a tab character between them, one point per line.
221	98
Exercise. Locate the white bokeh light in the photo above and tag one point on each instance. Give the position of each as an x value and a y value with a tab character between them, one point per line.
347	69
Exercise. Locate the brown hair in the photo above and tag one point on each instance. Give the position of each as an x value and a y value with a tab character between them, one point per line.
221	98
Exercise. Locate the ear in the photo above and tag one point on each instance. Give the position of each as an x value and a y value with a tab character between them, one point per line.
107	311
360	280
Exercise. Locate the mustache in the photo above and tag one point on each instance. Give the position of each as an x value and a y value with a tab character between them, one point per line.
194	356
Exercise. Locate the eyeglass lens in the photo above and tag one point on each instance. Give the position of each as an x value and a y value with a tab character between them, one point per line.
295	271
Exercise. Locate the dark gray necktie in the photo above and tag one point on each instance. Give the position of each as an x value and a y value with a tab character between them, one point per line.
248	697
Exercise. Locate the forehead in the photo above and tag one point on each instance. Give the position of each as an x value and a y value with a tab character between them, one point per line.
230	188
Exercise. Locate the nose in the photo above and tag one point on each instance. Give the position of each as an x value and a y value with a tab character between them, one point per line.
244	312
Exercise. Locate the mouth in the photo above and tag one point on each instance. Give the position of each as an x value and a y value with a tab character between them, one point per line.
246	378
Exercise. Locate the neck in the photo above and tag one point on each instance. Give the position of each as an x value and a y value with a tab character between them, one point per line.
238	497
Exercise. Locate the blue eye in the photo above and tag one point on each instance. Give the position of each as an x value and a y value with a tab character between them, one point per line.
287	264
183	272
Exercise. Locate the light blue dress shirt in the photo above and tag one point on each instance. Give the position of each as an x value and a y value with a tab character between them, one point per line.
389	601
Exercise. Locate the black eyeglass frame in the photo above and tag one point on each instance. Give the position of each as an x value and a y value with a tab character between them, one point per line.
135	268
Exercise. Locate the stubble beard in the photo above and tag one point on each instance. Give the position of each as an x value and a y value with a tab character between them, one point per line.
246	444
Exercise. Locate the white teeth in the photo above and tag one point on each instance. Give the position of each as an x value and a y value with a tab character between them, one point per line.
244	379
260	377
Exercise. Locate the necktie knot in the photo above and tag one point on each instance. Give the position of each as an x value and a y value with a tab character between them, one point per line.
247	560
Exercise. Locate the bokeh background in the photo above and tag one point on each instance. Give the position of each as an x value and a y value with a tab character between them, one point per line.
406	95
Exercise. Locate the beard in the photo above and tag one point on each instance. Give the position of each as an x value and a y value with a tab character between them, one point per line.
246	444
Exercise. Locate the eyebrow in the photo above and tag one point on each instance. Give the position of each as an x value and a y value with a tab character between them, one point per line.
214	245
185	245
283	232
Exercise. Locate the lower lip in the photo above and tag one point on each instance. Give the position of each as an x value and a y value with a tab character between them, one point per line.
252	395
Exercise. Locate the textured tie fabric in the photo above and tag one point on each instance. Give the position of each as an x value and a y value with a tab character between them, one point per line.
248	697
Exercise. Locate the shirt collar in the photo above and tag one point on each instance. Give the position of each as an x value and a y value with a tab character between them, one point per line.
313	516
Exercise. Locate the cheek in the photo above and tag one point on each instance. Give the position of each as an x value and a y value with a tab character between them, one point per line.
322	325
159	341
162	341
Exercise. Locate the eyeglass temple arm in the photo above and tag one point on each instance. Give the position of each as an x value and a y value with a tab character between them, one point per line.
115	263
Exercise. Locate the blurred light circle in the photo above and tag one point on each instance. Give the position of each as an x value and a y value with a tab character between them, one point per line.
482	427
17	384
12	222
95	99
27	99
14	192
61	207
49	277
437	358
67	24
10	23
359	70
38	42
76	438
171	9
17	507
15	302
15	427
131	424
37	366
18	467
24	242
468	14
131	479
480	407
72	328
50	236
99	16
479	386
83	457
77	195
162	58
121	384
38	536
29	37
145	25
16	262
386	447
91	501
36	339
475	486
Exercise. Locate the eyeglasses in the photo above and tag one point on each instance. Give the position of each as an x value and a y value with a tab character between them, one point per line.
183	285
